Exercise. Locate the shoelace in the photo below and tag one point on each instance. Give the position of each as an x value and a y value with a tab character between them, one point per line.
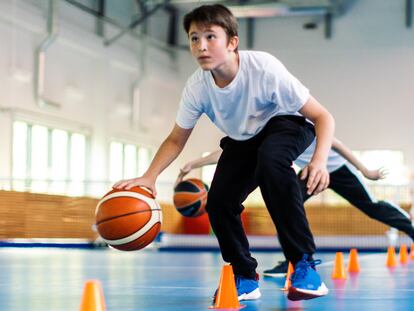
302	268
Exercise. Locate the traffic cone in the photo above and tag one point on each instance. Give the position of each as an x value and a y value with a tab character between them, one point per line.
391	260
226	297
353	264
338	269
92	298
412	251
403	254
288	274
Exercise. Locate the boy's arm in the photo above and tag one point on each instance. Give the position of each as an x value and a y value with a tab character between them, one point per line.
167	152
212	158
316	171
345	152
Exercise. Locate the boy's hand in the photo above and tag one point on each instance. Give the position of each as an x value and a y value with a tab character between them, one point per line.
143	181
183	171
375	174
317	175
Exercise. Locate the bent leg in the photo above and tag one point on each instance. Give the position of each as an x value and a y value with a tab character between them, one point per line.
284	142
232	183
348	184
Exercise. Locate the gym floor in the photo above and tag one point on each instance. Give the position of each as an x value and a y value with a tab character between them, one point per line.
53	279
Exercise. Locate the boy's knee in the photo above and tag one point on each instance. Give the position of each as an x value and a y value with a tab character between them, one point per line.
269	162
213	200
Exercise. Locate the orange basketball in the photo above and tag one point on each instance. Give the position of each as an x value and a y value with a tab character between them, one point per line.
128	219
190	197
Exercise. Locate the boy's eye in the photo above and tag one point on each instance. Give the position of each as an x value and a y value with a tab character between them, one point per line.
194	39
211	37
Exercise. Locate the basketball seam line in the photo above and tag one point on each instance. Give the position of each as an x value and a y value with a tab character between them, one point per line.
157	223
128	214
156	217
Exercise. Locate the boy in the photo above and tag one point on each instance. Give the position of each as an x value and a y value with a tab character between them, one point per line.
261	108
344	180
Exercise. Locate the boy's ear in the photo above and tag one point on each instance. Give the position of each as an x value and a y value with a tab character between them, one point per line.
233	43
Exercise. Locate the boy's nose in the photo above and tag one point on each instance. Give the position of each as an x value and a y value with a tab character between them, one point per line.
202	46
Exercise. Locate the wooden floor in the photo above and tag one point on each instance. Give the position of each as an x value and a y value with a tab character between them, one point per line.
52	279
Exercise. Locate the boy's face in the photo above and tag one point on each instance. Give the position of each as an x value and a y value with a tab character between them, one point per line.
210	46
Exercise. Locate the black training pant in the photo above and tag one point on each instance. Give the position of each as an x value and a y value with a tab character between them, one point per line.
345	183
265	161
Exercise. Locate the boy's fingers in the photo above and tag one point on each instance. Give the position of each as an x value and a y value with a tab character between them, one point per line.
117	184
129	185
313	181
323	183
304	173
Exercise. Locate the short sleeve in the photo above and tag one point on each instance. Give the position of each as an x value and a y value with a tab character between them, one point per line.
189	110
284	89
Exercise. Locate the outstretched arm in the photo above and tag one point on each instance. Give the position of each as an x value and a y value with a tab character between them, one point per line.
345	152
168	151
212	158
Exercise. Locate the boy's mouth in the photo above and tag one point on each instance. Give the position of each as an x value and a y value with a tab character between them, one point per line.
203	57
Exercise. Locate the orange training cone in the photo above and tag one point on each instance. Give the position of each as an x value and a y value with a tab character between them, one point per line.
412	251
353	264
226	297
403	254
339	270
288	274
391	260
92	298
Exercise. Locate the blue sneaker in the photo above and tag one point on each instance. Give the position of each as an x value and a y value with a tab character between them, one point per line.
305	281
247	289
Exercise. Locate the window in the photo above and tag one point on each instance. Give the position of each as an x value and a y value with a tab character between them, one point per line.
127	160
48	159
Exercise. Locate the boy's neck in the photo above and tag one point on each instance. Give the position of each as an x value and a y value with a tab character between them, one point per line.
226	73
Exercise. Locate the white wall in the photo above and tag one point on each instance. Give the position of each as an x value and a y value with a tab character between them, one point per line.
363	74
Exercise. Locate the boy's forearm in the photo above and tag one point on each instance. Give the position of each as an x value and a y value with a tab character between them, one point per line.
168	151
212	158
345	152
166	154
324	128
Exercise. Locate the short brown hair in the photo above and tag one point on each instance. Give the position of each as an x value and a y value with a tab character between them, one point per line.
215	14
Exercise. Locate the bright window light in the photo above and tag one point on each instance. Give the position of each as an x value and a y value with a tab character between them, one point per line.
48	160
59	163
19	155
392	160
77	164
116	161
130	161
39	158
77	157
144	160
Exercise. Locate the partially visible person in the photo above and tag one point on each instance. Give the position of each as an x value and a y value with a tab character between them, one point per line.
344	180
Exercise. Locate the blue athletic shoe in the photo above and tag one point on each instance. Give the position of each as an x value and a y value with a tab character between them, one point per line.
247	289
305	281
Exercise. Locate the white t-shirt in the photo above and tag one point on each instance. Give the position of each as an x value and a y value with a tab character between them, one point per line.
335	160
261	89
